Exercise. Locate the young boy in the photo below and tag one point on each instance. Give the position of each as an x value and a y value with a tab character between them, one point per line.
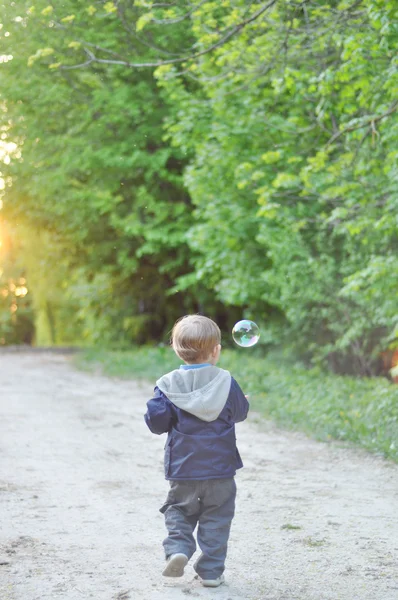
198	406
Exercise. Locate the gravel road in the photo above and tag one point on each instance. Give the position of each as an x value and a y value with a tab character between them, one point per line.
81	483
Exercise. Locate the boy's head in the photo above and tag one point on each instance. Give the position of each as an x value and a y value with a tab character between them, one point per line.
196	339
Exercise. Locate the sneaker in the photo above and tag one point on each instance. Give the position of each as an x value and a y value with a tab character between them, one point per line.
213	582
175	565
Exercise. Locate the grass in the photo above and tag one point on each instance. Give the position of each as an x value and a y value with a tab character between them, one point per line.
325	406
309	541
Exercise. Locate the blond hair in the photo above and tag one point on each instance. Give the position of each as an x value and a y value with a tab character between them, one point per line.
194	338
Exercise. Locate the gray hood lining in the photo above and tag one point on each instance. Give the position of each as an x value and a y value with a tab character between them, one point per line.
202	392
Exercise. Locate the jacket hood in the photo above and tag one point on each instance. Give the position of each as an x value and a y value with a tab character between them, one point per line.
202	392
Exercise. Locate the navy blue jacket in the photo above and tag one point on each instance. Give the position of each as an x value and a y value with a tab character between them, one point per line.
203	445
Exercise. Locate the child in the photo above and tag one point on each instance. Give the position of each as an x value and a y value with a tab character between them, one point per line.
198	406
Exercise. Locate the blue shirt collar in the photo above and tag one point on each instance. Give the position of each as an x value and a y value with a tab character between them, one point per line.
199	366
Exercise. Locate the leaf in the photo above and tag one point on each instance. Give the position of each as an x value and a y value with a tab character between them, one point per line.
41	53
285	180
47	11
110	7
143	21
68	19
271	157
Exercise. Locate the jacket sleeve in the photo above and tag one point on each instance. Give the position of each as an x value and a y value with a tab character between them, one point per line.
239	403
160	415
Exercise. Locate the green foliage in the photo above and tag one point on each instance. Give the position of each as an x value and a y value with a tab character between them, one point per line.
294	175
362	411
46	267
92	177
218	157
16	312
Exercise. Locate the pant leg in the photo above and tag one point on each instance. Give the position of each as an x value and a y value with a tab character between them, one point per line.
181	511
217	512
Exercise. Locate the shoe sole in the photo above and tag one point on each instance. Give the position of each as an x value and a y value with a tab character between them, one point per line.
175	566
212	583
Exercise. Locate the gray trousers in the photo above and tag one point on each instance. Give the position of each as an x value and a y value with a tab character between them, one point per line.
210	505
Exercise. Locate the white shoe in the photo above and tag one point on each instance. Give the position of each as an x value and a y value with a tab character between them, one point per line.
175	565
213	582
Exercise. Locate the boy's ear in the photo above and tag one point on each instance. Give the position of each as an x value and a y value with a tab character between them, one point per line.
216	350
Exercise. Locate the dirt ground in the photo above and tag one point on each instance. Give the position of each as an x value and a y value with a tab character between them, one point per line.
81	483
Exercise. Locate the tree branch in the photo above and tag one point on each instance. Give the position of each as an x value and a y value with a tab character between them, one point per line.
139	39
80	65
370	122
237	29
178	19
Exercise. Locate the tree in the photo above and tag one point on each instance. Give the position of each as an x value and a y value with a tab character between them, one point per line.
16	315
93	177
273	189
294	134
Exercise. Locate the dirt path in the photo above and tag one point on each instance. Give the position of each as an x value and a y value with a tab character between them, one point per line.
81	483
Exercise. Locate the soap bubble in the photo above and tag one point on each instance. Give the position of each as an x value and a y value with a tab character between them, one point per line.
246	333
